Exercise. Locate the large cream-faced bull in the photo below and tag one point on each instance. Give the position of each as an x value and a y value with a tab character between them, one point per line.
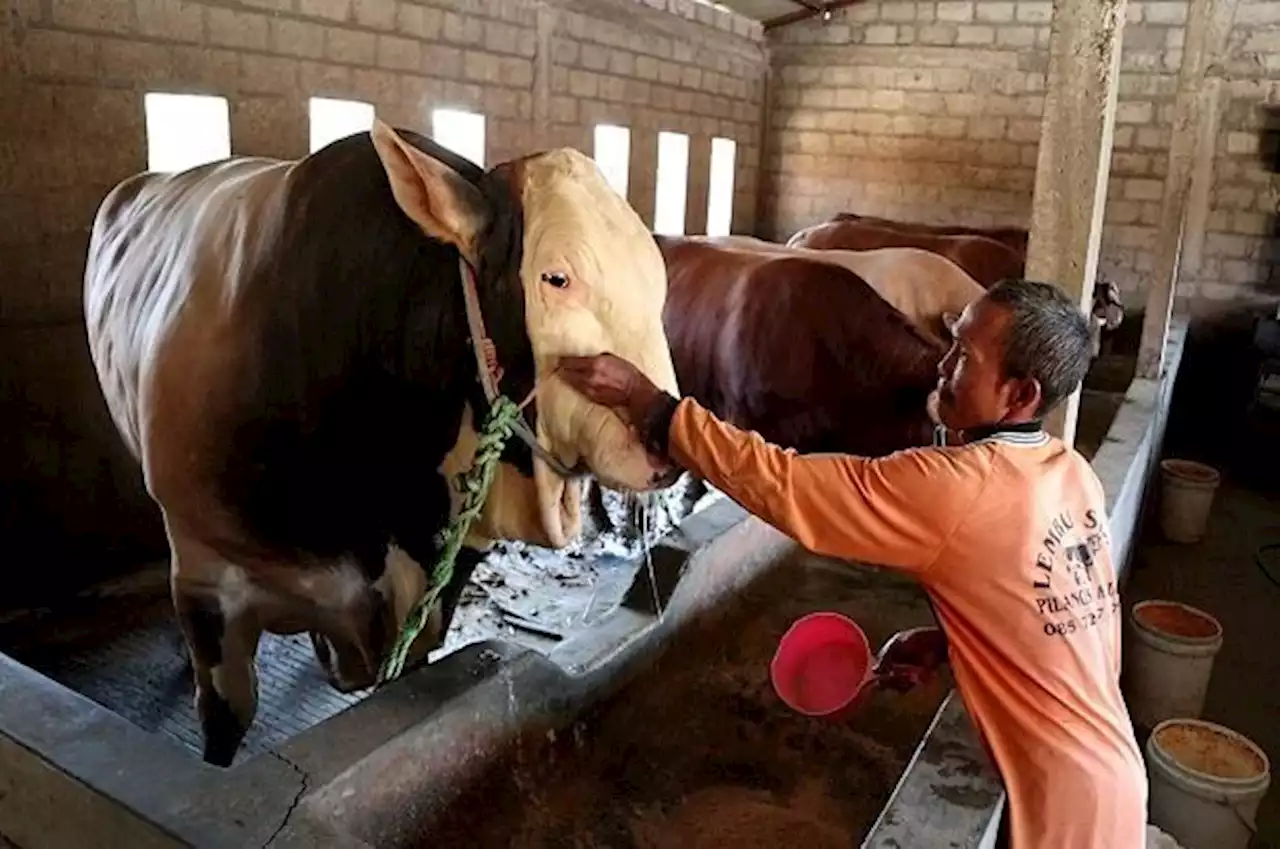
284	347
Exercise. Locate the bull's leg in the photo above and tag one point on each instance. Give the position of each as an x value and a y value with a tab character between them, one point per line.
463	568
221	632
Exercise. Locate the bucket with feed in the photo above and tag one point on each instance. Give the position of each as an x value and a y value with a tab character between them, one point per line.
1207	782
1169	660
822	664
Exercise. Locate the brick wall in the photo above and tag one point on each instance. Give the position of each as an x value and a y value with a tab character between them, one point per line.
930	111
1237	264
73	74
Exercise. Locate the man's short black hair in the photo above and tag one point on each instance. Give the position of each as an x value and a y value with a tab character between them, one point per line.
1047	338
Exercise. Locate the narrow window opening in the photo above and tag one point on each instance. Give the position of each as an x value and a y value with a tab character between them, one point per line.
673	184
460	131
186	130
336	119
613	155
720	196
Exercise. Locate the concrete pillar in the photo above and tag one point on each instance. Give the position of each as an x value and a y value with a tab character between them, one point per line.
543	65
1075	157
1208	24
1200	197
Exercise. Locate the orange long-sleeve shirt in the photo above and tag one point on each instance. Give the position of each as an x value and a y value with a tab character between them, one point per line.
1009	537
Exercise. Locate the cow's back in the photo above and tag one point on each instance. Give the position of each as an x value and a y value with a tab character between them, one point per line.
985	260
802	351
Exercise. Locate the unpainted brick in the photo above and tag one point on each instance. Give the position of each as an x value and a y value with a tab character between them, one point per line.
501	37
420	21
174	20
898	11
93	15
938	34
880	34
49	53
399	53
205	67
134	61
994	12
888	101
1174	14
1024	131
375	86
1242	143
1035	12
297	38
1019	37
971	35
229	28
1135	112
270	5
1143	189
267	74
351	47
439	60
460	29
321	79
375	14
332	10
987	127
955	12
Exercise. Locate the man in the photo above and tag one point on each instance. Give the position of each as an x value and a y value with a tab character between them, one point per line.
1006	530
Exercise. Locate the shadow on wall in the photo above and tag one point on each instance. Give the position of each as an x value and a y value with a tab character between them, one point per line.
1209	419
74	509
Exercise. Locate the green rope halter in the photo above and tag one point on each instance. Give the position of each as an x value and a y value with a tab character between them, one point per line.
474	484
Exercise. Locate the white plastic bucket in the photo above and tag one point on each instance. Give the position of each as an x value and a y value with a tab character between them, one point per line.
1206	783
1169	660
1187	490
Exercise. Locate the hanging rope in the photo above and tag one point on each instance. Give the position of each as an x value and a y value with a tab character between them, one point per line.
474	483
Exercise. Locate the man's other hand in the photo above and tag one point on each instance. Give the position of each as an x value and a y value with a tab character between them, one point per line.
910	657
611	381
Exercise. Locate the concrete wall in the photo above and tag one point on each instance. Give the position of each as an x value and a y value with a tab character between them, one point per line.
73	74
930	111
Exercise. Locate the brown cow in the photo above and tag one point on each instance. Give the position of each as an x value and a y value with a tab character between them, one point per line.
804	352
987	259
983	259
1014	237
923	286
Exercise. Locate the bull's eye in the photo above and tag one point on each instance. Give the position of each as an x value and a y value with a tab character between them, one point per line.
555	278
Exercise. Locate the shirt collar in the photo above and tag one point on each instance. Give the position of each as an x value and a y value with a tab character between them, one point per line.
1022	433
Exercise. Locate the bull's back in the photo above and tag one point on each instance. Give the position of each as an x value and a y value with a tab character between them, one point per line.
160	291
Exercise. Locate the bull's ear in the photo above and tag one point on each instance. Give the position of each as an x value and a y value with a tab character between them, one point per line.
434	196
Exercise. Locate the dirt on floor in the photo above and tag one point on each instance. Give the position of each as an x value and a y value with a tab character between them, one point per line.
701	752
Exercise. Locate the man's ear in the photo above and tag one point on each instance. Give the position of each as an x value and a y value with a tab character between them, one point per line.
434	196
1027	397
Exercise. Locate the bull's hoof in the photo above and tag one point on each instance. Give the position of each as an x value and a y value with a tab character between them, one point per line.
223	732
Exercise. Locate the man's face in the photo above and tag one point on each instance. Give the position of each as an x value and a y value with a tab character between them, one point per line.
973	390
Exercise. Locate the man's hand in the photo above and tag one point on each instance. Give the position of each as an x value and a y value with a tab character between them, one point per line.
611	381
910	657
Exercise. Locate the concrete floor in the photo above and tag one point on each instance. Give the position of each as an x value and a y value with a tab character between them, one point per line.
1219	575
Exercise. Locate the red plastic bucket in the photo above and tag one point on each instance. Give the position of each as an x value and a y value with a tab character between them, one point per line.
822	663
